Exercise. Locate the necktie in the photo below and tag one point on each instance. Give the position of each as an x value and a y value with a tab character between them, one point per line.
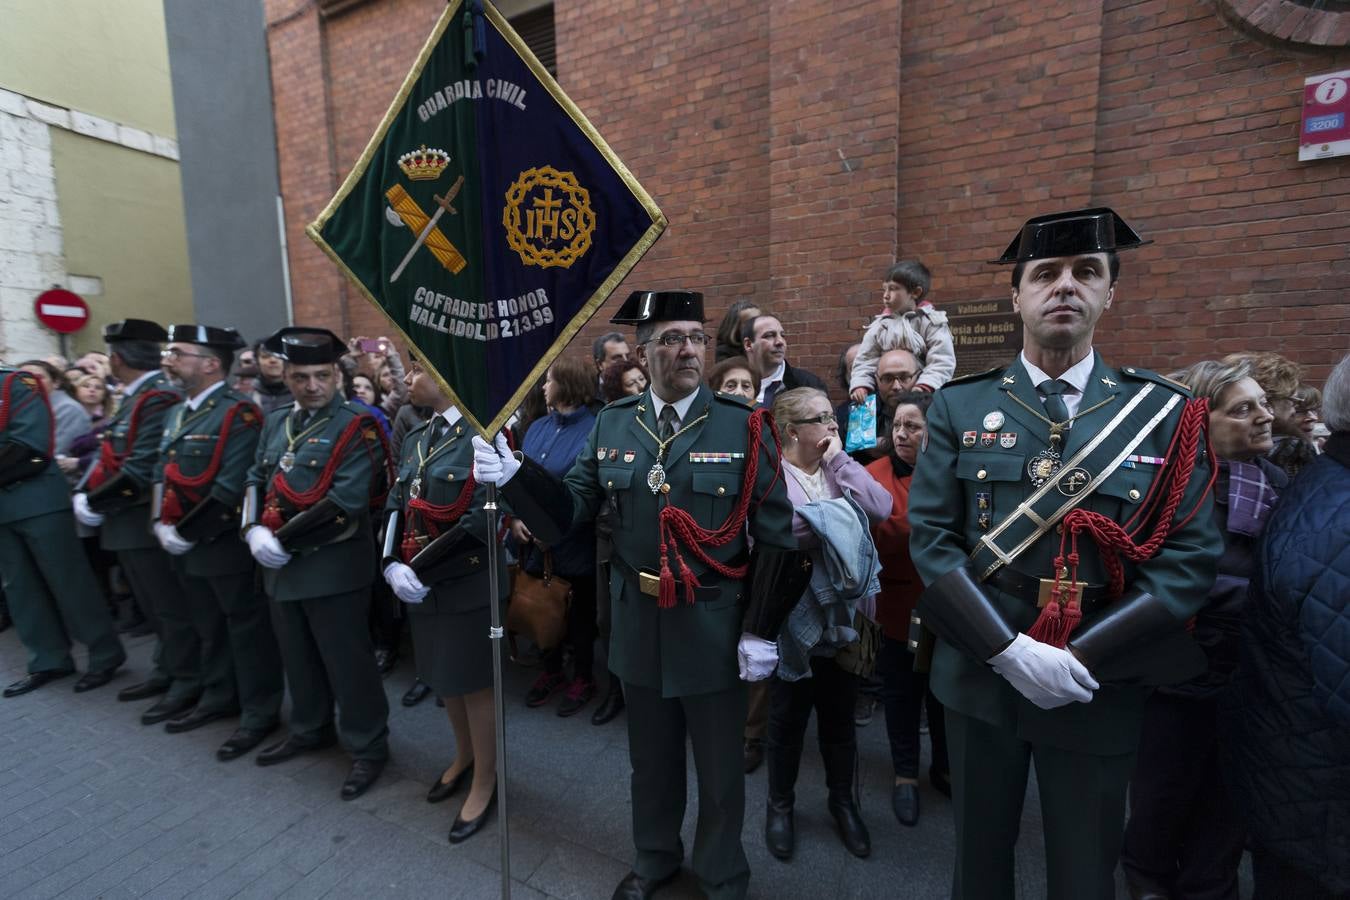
772	391
437	428
1055	407
666	423
301	418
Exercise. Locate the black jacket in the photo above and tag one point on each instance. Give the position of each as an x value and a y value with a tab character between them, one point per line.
795	378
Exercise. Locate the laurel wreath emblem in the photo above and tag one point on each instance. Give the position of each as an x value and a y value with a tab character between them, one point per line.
549	231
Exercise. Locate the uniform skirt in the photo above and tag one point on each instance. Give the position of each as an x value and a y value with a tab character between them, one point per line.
450	638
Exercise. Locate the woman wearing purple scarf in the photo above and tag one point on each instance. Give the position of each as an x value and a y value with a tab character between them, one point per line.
1185	837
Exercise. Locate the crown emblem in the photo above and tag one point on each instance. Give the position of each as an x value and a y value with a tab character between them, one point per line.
423	164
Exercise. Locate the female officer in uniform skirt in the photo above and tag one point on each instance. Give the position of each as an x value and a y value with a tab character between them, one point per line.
435	559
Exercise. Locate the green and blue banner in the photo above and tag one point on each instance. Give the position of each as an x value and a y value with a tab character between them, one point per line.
487	218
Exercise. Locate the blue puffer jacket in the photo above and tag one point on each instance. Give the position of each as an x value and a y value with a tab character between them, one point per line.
1286	718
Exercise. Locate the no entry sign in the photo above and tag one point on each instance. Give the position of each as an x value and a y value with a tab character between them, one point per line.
61	311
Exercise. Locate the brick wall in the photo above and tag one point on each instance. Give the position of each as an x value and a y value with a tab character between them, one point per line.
797	148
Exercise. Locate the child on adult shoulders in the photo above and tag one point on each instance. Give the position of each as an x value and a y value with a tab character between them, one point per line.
908	321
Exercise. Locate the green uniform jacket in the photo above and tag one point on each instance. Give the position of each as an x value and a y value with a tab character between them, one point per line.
30	424
344	566
129	529
689	649
442	471
956	475
189	439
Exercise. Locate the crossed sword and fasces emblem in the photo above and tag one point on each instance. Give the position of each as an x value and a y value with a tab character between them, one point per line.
410	214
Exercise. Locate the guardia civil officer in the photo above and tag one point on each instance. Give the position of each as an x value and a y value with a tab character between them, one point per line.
115	498
320	466
435	559
209	443
681	470
52	592
1061	522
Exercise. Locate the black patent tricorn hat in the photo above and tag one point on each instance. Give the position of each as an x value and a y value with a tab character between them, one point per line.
660	306
134	330
305	346
207	336
1070	234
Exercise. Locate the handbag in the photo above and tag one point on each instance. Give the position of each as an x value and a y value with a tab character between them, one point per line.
860	657
538	606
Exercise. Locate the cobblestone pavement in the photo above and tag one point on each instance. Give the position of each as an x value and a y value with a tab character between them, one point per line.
93	804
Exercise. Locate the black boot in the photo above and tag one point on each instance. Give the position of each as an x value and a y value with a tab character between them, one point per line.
779	831
839	761
613	703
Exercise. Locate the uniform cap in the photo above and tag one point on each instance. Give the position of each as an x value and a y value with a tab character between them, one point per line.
206	335
1071	234
660	306
134	330
305	346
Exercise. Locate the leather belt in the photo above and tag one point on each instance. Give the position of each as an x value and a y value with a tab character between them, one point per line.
1034	591
649	580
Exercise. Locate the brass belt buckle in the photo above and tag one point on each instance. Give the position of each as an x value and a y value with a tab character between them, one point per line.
1046	592
649	583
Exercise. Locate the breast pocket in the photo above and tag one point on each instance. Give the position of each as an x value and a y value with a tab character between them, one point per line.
1122	492
992	483
715	492
616	483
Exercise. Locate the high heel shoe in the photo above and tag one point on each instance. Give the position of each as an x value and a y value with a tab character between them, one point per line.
441	790
462	830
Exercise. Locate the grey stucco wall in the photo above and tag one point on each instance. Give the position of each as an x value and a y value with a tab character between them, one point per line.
223	109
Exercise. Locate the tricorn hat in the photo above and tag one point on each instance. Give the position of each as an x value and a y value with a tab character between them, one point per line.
305	346
134	330
660	306
207	336
1071	234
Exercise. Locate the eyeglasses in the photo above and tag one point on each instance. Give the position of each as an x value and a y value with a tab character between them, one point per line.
889	377
671	339
175	353
822	419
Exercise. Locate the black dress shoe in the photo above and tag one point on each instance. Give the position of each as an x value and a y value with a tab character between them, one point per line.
441	790
167	709
361	777
90	680
754	755
417	693
146	689
242	741
385	660
197	718
291	748
941	782
5	621
611	706
852	831
461	830
635	887
779	833
905	803
35	680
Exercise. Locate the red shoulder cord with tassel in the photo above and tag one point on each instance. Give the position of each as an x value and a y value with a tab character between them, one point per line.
37	393
109	463
179	487
679	527
1059	617
435	518
280	488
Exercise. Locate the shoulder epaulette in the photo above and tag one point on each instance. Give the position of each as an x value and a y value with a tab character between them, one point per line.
735	400
1149	375
975	376
625	401
280	411
419	427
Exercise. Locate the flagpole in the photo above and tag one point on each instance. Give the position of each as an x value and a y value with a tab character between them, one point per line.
496	633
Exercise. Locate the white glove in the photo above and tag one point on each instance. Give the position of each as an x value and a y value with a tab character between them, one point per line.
494	464
265	547
1045	675
757	657
405	583
86	515
171	540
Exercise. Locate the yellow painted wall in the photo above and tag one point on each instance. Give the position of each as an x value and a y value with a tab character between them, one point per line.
122	215
109	58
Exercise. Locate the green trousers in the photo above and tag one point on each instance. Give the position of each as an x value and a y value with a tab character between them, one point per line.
657	728
53	595
178	651
1082	809
328	658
